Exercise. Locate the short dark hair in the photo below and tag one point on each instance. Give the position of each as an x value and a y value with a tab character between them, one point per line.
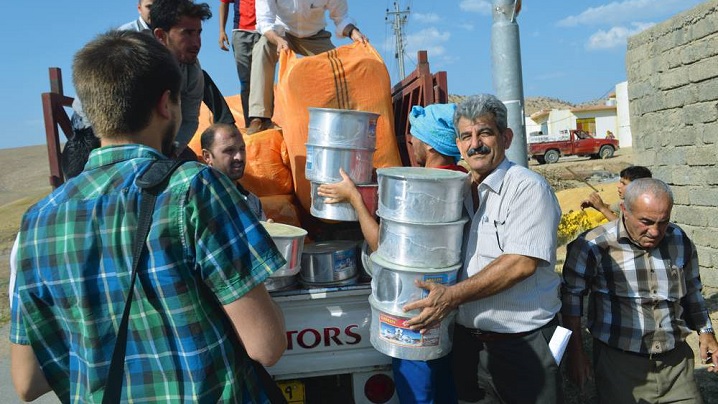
207	138
165	14
635	172
120	76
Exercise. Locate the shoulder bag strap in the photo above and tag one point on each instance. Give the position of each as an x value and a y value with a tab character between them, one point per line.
152	182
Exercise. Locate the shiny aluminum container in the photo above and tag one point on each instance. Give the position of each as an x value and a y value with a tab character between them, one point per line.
421	195
390	335
342	128
323	163
343	211
290	242
329	261
393	286
421	245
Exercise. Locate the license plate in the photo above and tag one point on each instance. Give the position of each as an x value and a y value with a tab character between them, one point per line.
293	391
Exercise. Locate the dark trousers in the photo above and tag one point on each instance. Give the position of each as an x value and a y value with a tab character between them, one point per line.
512	370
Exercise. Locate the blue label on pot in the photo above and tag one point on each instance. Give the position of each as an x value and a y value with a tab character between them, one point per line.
310	155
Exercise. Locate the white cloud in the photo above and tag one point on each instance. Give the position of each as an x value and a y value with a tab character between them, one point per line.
476	6
425	18
618	12
429	39
615	36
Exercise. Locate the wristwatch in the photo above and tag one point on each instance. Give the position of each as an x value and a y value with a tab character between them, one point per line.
706	330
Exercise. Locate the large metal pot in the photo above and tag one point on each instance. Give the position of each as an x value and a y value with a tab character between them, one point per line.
342	128
421	195
329	261
421	245
323	164
343	211
290	242
393	286
390	335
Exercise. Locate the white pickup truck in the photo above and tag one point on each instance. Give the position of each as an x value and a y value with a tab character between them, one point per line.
329	358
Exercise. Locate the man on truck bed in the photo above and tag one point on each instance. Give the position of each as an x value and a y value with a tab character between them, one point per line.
290	25
199	296
507	292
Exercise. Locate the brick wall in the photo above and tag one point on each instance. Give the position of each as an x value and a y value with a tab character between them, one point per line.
673	99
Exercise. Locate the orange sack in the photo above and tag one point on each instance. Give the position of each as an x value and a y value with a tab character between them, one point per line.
351	77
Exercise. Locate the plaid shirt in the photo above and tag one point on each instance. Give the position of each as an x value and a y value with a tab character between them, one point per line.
640	300
74	265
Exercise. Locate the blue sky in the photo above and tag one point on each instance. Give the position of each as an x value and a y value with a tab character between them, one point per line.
571	50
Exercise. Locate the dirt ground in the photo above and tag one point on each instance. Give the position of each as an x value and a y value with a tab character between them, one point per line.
24	176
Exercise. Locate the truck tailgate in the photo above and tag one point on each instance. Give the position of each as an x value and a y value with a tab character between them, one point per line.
327	332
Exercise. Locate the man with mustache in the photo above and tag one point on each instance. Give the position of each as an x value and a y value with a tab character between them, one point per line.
641	275
223	148
199	308
507	293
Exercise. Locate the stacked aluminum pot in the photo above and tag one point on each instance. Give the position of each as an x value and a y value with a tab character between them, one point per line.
340	138
420	238
290	242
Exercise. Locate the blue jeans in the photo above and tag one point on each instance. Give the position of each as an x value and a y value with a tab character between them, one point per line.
424	381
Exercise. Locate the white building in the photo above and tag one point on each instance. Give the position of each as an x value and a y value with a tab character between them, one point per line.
609	118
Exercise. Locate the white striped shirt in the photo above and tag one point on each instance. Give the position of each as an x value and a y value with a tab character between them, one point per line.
518	214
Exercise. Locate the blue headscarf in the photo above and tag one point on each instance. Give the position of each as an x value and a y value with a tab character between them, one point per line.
434	125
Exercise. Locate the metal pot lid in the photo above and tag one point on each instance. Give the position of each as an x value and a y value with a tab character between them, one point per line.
283	230
421	173
321	146
342	111
332	246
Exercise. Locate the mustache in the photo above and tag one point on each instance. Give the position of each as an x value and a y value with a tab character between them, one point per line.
478	150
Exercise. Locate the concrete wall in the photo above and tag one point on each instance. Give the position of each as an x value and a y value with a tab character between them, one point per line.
623	117
673	93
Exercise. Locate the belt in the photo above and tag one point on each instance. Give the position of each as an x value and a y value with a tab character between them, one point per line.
650	356
488	336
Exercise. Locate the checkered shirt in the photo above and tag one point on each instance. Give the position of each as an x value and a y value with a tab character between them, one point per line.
640	300
74	267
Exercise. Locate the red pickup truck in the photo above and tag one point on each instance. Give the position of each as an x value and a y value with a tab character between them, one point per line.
548	149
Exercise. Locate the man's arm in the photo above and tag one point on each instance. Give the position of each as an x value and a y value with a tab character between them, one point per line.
501	274
215	101
259	323
223	12
579	367
346	190
27	376
594	201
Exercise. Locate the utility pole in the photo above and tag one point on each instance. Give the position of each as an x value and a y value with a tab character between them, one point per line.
508	80
398	26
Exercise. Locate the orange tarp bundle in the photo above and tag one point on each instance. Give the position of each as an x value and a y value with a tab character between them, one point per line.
351	77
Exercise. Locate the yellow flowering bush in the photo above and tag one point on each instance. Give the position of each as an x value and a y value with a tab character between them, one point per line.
575	222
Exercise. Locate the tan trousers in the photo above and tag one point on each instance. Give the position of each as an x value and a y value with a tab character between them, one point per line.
264	63
627	378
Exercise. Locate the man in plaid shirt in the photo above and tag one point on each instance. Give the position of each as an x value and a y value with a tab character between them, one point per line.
200	309
641	274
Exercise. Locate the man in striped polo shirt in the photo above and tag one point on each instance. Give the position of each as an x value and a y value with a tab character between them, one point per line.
507	291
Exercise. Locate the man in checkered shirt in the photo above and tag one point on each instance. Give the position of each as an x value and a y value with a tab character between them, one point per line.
644	296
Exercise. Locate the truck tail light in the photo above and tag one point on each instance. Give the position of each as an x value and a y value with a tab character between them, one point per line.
379	388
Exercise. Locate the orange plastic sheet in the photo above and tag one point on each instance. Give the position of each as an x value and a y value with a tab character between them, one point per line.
351	77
